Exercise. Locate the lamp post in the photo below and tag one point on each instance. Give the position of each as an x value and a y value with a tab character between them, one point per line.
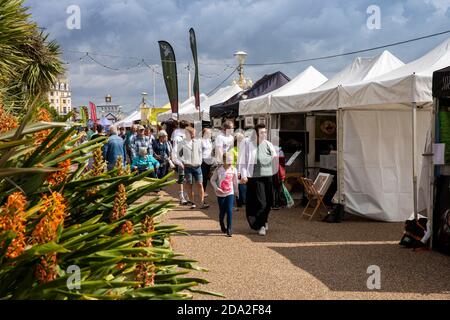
144	109
241	56
242	81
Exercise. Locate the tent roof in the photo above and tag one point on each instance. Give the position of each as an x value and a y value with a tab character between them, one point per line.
220	96
306	81
326	96
266	84
128	121
188	104
362	69
402	86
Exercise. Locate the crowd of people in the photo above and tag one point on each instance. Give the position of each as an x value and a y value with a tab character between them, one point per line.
238	165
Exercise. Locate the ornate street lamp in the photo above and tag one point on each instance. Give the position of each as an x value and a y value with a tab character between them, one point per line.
244	83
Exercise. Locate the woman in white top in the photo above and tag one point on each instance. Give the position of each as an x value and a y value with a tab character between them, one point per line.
224	141
225	184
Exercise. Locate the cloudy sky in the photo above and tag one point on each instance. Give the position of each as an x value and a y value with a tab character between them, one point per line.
120	33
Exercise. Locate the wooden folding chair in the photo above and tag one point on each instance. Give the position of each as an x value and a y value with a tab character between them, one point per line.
313	195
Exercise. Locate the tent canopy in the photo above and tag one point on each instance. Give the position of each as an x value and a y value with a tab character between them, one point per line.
128	121
306	81
402	86
185	110
266	84
327	96
105	122
191	114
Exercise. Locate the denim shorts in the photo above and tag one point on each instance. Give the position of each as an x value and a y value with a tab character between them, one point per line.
193	174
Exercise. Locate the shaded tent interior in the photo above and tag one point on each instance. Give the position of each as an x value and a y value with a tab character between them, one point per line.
441	214
268	83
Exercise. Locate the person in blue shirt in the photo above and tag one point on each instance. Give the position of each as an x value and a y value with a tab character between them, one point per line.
114	148
143	162
162	151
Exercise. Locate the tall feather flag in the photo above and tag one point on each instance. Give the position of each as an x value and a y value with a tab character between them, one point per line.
169	67
193	42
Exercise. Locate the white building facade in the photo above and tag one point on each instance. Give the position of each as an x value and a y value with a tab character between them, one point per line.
60	96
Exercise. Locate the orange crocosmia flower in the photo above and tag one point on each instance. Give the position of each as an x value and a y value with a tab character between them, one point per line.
58	177
7	121
12	218
127	228
46	270
54	208
39	137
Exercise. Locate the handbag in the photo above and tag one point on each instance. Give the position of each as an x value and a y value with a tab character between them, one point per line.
289	201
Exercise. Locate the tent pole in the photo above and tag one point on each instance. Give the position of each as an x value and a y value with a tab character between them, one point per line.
414	172
432	170
340	149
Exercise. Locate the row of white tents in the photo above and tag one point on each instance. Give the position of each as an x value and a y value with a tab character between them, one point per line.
187	110
384	115
384	118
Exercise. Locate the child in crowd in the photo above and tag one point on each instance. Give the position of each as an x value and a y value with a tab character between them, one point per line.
225	184
143	162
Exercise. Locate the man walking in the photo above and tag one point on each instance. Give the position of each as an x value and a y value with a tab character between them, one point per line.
113	149
189	157
256	160
140	141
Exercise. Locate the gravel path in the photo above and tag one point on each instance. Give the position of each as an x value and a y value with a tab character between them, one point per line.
299	259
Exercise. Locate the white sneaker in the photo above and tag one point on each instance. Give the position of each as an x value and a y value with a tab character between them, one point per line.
267	226
262	231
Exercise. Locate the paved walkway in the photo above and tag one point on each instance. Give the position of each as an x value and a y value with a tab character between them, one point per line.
299	259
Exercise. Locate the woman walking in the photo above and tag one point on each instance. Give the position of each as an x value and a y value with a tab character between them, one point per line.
225	184
257	164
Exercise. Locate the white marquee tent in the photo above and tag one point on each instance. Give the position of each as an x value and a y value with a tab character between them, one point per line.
222	95
381	135
184	110
187	110
128	121
392	117
306	81
326	97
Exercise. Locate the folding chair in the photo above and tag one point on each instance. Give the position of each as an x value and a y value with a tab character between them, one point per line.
313	195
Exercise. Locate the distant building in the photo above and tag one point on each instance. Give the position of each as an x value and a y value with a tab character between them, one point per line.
112	112
60	96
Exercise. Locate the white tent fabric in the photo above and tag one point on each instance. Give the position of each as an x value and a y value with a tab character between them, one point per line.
128	121
410	83
105	122
377	190
188	111
222	95
327	96
185	110
306	81
377	163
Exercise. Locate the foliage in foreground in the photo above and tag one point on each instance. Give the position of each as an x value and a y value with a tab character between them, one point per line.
57	216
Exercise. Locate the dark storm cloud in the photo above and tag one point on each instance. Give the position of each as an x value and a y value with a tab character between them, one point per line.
266	30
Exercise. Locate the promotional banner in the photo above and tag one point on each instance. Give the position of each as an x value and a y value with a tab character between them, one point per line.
93	112
169	67
193	42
